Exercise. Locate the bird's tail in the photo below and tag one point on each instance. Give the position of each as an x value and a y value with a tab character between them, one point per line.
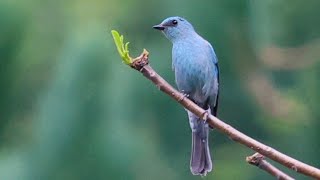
200	163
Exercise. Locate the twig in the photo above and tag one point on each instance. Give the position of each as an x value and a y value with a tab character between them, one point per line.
259	161
141	64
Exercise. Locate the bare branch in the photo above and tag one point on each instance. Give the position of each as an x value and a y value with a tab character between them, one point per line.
141	64
259	161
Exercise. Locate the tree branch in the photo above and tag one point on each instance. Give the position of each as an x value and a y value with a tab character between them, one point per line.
259	161
141	64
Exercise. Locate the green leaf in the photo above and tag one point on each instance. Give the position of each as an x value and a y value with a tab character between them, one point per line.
122	48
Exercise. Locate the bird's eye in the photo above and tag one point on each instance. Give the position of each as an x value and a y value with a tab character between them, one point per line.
174	22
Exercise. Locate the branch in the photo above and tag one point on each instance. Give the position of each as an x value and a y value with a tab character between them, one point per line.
141	64
259	161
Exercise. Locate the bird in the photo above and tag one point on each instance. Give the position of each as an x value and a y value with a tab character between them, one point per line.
196	70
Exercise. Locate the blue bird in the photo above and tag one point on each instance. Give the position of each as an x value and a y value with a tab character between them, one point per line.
197	75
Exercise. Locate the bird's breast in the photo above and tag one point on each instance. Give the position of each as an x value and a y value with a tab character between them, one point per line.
190	66
194	68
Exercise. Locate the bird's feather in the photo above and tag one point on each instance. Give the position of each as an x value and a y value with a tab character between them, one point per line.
197	74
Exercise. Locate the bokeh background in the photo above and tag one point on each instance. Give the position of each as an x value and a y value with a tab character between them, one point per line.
70	110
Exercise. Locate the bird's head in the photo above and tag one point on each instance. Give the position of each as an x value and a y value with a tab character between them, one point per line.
175	28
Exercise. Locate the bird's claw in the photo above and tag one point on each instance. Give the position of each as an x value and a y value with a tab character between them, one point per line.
205	116
184	95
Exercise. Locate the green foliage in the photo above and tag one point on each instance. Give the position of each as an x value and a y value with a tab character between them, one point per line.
68	111
121	47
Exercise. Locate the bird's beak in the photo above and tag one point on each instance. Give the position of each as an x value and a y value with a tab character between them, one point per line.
159	27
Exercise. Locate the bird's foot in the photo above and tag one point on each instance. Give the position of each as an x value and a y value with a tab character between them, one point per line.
205	115
184	95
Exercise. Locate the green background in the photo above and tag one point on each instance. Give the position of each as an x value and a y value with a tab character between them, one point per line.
71	110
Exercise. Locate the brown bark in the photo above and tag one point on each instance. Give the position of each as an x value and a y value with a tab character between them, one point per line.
141	64
259	161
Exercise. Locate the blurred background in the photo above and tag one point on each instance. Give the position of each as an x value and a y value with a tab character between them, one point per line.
71	110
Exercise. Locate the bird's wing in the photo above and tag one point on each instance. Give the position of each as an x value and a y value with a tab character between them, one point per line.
214	101
215	109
